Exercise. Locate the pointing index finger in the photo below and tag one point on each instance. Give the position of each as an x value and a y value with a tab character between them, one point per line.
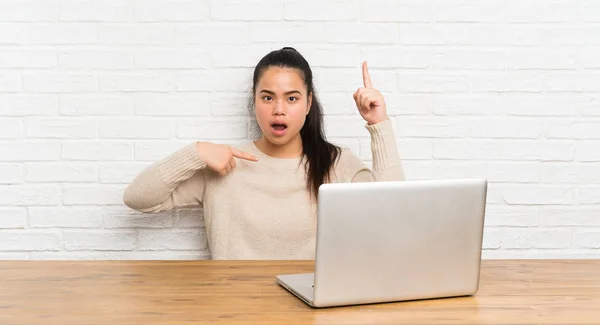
242	155
366	77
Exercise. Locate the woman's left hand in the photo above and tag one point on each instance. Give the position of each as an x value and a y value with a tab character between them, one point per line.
369	101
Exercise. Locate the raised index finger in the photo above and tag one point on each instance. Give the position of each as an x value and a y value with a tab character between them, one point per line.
242	155
366	77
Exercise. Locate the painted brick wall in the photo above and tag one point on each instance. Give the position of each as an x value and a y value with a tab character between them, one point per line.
91	92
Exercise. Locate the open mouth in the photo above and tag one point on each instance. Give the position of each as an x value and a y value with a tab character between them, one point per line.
279	126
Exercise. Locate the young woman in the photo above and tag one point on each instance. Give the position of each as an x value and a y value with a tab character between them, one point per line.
260	199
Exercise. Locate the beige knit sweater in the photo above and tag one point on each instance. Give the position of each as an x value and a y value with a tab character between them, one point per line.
261	210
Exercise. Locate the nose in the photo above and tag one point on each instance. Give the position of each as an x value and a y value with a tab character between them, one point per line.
279	108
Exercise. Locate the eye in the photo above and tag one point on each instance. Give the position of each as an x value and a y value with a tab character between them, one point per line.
293	99
267	97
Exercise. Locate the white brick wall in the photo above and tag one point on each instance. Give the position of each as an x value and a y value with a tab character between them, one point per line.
91	92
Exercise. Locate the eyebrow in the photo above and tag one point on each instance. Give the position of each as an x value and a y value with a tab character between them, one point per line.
287	93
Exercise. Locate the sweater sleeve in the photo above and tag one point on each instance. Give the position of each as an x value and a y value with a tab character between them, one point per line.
177	180
387	165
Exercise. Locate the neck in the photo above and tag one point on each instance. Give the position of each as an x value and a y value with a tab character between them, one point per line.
292	149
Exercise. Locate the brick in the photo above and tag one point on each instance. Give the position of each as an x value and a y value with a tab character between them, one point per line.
588	11
95	59
172	104
60	34
99	240
467	104
478	149
152	150
589	58
510	81
27	58
135	34
436	82
30	240
337	103
127	218
491	239
74	172
526	238
135	81
285	32
97	150
227	56
469	11
566	81
213	33
12	173
13	217
119	172
334	80
587	238
212	129
433	127
95	104
313	10
364	33
28	150
225	80
506	128
11	128
426	169
10	81
25	105
537	194
171	10
397	57
332	57
14	256
102	194
512	216
496	34
572	216
136	129
571	253
253	10
29	195
475	59
434	34
568	35
396	11
517	172
105	11
544	104
588	194
541	11
510	254
59	82
172	59
11	33
226	104
587	151
61	128
570	173
66	217
541	59
572	129
177	239
28	11
543	150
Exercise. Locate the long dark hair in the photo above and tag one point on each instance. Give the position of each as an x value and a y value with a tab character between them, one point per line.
319	155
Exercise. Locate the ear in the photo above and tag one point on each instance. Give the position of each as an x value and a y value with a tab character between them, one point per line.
309	103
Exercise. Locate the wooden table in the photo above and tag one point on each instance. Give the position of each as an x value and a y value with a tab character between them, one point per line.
245	292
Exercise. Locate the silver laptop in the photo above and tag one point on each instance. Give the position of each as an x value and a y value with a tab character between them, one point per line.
394	241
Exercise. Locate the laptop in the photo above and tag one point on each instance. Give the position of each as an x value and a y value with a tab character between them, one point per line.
394	241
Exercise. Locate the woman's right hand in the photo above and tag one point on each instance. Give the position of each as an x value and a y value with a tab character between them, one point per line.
220	157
